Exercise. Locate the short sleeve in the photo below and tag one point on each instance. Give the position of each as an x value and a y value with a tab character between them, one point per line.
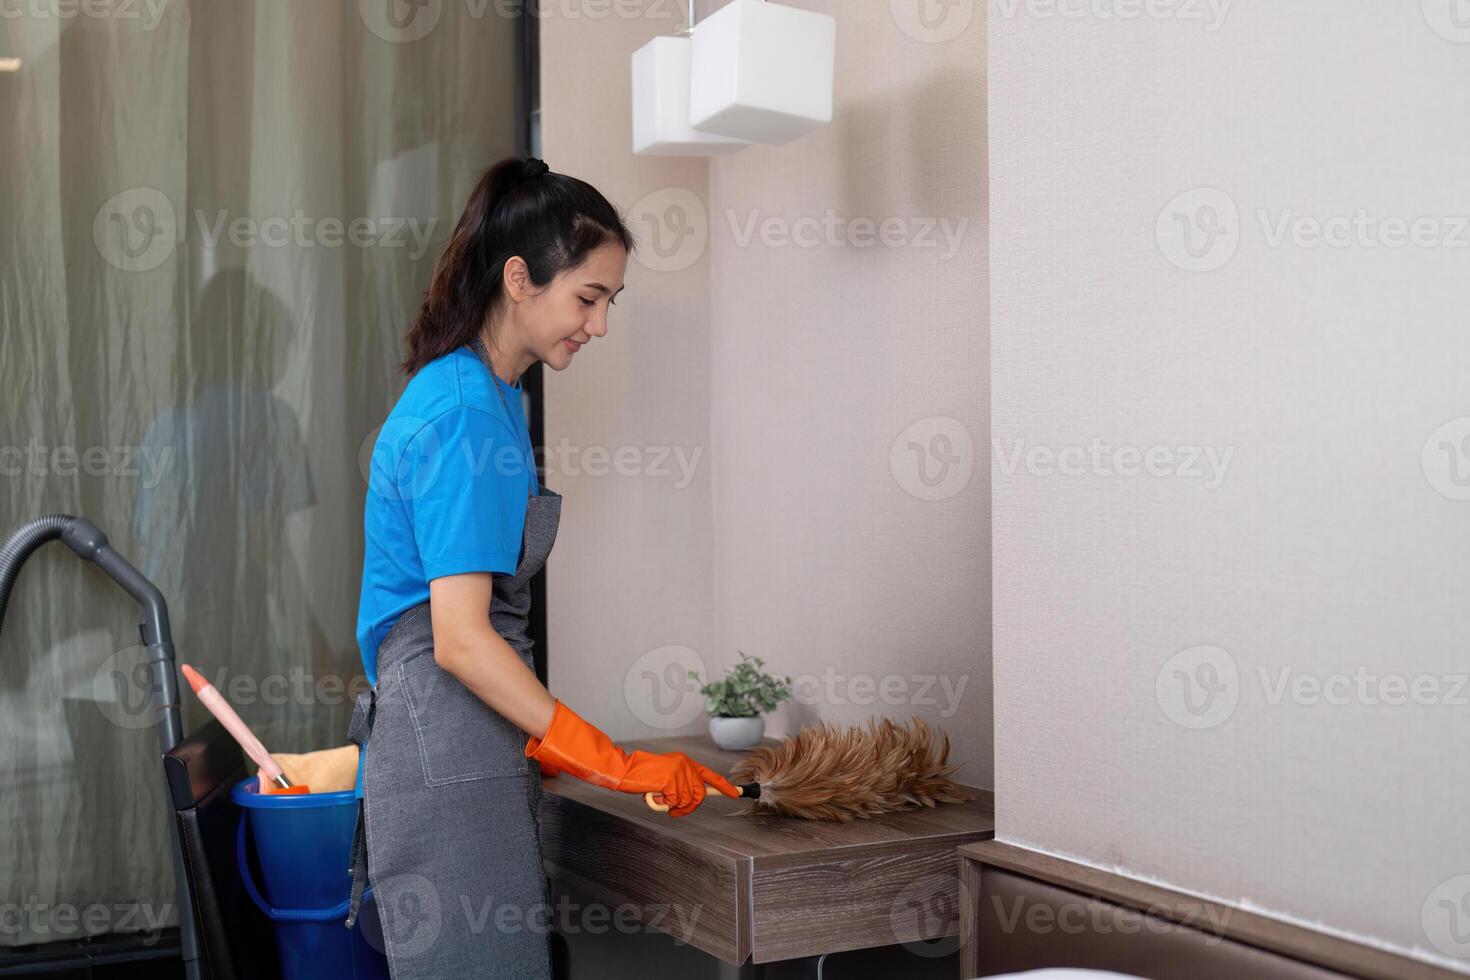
464	483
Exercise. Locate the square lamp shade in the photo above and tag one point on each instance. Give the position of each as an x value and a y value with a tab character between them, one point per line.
762	71
661	104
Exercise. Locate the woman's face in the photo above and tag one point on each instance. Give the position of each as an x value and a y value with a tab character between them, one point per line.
573	307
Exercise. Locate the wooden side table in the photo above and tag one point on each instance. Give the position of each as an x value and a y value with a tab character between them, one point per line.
760	888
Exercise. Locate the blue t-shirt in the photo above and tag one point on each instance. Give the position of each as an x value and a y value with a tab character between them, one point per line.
450	475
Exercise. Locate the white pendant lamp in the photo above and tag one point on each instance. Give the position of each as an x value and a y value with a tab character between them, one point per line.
762	72
661	103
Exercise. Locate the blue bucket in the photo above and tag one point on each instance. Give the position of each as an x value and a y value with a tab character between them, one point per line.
304	842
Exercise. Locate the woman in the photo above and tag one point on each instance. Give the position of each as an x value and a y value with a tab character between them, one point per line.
456	524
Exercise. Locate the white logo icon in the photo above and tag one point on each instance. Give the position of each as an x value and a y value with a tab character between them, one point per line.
1199	230
122	689
409	912
1198	687
1450	19
1446	459
933	458
400	21
932	21
659	690
135	231
924	913
672	225
1445	917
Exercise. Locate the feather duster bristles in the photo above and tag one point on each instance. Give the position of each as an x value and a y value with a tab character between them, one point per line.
824	772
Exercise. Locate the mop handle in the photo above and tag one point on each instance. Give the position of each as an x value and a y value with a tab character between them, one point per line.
220	708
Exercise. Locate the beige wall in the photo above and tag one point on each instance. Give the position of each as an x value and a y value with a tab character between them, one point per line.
814	379
1178	652
632	568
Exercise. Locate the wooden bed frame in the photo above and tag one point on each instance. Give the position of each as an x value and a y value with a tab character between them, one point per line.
1023	910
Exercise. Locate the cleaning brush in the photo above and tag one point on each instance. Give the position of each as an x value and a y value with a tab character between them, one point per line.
826	772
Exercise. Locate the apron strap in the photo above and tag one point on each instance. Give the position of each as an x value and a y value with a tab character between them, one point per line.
361	727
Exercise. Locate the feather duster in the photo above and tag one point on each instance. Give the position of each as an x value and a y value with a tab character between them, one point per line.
824	772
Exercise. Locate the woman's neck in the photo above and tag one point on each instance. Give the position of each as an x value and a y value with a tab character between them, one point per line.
508	362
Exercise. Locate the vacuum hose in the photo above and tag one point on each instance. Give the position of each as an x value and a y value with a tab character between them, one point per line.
88	541
18	547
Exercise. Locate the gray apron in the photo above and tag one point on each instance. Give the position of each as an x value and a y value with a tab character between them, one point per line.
449	823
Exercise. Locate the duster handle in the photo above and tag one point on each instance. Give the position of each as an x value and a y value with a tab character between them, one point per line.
749	791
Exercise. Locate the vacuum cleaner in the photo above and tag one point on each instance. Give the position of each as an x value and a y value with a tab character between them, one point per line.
88	541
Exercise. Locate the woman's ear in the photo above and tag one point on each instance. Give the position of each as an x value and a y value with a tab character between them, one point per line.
516	279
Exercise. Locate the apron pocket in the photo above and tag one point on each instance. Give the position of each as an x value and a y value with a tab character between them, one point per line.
460	737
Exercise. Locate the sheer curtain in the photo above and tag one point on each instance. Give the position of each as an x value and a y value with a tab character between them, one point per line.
215	221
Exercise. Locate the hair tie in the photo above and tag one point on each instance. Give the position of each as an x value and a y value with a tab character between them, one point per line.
533	168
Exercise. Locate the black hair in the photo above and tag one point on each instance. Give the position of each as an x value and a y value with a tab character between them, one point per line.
518	207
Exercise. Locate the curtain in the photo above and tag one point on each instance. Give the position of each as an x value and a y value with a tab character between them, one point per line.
215	222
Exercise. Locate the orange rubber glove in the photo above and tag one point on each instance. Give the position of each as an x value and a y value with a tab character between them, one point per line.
573	745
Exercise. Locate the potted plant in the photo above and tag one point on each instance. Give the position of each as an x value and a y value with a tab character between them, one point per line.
735	703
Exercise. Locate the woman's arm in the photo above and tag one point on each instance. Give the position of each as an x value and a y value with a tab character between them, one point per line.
467	646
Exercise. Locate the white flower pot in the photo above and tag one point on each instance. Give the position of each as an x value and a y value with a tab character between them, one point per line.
735	734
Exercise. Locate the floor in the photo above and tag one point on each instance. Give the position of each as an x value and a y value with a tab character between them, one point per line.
593	956
102	958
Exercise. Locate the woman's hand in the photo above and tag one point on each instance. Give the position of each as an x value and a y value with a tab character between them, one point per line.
574	746
674	776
